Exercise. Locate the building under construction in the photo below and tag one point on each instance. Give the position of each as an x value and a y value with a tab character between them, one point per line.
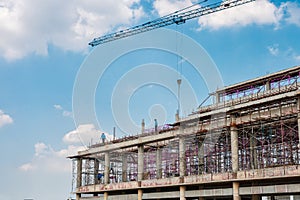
243	146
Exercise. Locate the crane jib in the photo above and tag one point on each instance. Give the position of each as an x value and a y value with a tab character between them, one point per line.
178	17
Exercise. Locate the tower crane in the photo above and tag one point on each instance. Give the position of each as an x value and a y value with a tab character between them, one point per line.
178	17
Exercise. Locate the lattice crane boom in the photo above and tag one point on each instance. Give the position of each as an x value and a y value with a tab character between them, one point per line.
177	17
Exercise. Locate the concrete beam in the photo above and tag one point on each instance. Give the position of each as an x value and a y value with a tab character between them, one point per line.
222	192
231	107
174	133
163	195
130	143
293	70
113	197
270	189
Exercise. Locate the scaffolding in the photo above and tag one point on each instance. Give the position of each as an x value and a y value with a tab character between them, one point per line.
261	113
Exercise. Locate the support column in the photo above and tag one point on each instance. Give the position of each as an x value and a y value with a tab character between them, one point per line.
182	192
234	145
200	156
106	167
105	196
236	193
234	156
124	167
217	95
182	162
253	154
140	162
78	195
255	197
158	163
79	173
96	170
140	194
268	86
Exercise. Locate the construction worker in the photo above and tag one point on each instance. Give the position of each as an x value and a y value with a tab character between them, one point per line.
155	125
103	138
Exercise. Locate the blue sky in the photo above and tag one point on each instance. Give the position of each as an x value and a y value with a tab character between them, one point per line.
43	46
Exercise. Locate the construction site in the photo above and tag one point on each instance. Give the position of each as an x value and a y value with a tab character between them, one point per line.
245	145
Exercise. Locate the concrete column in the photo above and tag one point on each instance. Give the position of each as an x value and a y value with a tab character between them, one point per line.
234	145
201	188
124	167
268	86
298	109
106	167
217	95
182	162
200	156
140	194
96	169
177	117
253	154
158	163
140	162
182	192
255	197
78	196
236	193
105	196
143	126
79	172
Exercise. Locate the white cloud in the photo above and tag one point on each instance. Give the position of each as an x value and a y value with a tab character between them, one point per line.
293	12
257	12
65	113
164	7
57	107
47	159
273	49
26	167
5	119
40	149
297	58
84	134
29	26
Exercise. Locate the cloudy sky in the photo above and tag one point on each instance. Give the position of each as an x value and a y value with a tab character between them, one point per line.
43	45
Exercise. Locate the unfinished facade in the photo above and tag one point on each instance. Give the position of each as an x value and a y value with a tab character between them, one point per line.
244	146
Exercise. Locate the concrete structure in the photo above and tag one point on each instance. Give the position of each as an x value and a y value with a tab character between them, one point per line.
245	146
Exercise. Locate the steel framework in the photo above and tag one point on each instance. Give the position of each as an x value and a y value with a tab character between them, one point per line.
177	17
